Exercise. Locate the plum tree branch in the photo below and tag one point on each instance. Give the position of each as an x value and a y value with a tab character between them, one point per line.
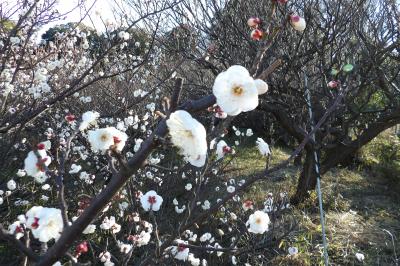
119	179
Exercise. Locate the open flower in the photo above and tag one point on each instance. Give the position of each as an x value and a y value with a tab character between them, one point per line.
180	252
236	91
36	167
189	136
151	201
17	229
102	139
263	147
45	223
88	119
110	224
247	205
258	222
298	23
222	149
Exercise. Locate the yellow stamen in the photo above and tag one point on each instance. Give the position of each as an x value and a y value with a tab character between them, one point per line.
237	90
104	137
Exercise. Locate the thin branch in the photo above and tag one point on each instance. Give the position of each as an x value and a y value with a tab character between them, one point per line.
18	244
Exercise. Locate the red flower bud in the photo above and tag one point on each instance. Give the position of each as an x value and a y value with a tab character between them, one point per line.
41	146
82	248
70	118
257	34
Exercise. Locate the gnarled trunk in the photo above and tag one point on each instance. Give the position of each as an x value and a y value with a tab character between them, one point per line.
307	180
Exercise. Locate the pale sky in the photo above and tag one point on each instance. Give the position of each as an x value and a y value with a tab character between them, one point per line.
101	8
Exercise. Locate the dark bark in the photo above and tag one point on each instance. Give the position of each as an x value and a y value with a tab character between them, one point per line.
307	180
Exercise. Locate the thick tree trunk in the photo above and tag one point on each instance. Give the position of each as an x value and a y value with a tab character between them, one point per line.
307	180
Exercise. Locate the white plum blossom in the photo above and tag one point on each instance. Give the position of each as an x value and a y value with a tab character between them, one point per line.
293	251
142	239
102	139
46	187
180	210
21	173
205	237
206	205
188	186
189	136
263	147
249	132
360	257
17	229
180	252
110	224
45	223
75	168
298	23
90	229
193	260
123	35
151	201
230	189
258	222
138	143
35	167
105	257
15	40
222	149
11	184
88	119
124	248
236	91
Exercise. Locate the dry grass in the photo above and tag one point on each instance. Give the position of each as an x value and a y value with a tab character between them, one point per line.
359	207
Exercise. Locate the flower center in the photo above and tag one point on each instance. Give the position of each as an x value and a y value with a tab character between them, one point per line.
258	221
104	137
40	165
35	224
237	90
152	199
188	133
248	203
181	247
226	149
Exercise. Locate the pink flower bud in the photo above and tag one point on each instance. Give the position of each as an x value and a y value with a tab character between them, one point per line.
298	23
82	248
253	22
333	84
